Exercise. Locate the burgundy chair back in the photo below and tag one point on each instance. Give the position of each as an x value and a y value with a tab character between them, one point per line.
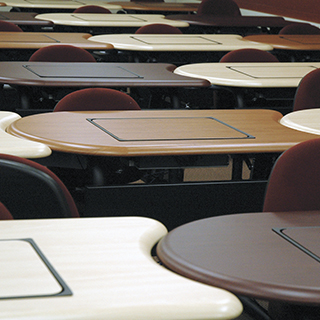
31	190
308	92
219	8
158	28
300	28
62	53
294	182
9	26
248	55
96	99
5	213
91	9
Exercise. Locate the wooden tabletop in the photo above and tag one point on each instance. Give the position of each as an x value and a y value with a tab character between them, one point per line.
36	40
58	4
24	18
107	20
250	254
303	120
100	74
97	268
177	42
158	6
17	146
251	75
160	132
306	42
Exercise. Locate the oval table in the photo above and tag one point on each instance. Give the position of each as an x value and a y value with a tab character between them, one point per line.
303	120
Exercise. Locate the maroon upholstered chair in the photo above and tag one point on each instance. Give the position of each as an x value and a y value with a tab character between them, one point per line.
249	55
158	28
62	53
9	26
308	92
5	213
300	28
91	9
219	8
96	99
31	191
294	182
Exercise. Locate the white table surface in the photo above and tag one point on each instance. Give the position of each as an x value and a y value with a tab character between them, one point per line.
178	42
16	146
58	4
303	120
106	263
107	20
252	75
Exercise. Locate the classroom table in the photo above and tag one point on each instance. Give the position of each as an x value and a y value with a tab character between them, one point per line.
180	138
270	256
162	7
241	24
56	5
99	23
20	45
25	20
181	47
259	77
25	76
17	146
293	47
98	268
303	120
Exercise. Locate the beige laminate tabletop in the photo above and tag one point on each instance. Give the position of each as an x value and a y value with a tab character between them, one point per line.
107	20
160	132
158	6
299	42
36	40
303	120
177	42
17	146
253	75
97	268
58	4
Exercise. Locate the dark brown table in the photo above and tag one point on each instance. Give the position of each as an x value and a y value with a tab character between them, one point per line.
24	74
271	256
241	24
25	20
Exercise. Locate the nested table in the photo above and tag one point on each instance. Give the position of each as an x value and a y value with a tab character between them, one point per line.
184	48
238	77
294	47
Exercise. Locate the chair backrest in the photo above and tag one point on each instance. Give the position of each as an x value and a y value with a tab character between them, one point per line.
248	55
32	191
62	53
9	26
300	28
5	213
294	182
158	28
96	99
219	8
91	9
308	92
